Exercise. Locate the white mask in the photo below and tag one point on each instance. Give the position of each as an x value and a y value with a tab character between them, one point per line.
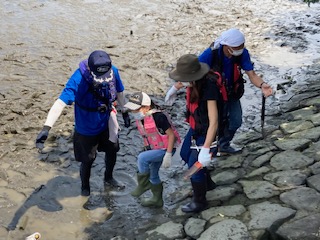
150	112
137	115
236	52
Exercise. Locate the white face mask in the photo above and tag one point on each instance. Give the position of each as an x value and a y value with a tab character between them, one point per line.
149	113
236	52
137	115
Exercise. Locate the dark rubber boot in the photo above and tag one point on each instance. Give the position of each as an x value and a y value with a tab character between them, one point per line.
228	150
85	171
156	199
210	183
199	201
110	161
143	184
113	183
224	143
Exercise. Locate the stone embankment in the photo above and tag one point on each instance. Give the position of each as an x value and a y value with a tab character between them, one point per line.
271	190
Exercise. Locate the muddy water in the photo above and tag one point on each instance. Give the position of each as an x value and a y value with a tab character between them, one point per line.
42	43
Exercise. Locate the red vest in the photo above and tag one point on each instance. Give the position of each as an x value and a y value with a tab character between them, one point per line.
191	108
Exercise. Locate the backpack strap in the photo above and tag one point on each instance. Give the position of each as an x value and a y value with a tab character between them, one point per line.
217	61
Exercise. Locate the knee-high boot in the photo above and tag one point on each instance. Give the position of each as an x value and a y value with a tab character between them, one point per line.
143	184
85	172
210	183
110	161
199	201
156	199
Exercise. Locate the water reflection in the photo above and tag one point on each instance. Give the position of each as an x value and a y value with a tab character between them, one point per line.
46	197
44	40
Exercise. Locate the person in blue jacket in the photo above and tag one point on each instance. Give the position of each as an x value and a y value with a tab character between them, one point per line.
228	56
93	88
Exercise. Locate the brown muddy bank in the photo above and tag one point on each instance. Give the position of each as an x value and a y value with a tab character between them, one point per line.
42	44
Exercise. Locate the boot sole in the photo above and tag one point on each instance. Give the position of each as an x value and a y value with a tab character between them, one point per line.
152	206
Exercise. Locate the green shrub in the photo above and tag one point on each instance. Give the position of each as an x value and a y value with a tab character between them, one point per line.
310	1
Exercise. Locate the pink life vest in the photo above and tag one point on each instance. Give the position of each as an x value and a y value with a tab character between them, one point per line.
152	138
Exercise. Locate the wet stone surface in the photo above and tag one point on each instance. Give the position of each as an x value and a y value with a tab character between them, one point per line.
40	192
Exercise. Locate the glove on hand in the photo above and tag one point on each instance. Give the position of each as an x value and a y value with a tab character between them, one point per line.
126	119
171	96
42	137
204	156
166	162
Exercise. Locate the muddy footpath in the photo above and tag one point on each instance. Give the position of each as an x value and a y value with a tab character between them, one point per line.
270	191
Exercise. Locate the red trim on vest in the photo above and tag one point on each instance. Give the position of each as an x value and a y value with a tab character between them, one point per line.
191	108
221	85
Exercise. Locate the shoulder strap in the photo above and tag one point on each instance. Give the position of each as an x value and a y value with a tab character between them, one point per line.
237	60
95	93
216	60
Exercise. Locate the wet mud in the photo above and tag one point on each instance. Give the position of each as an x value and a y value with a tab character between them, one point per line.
42	43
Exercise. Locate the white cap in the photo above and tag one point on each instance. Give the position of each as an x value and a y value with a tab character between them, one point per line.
232	37
137	100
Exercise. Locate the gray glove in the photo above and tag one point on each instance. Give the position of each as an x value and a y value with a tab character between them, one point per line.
126	119
42	137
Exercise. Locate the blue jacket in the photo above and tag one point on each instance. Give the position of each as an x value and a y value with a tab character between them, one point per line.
77	90
246	64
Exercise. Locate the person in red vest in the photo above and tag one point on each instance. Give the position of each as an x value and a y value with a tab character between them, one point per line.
202	115
229	56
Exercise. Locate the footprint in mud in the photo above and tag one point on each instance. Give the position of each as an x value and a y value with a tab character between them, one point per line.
106	196
127	180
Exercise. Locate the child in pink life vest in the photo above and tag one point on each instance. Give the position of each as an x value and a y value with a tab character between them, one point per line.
160	141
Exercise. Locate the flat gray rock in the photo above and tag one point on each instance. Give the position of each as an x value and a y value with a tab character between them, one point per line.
259	189
312	134
228	211
276	213
296	126
293	143
230	229
314	182
304	228
287	178
290	159
302	198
